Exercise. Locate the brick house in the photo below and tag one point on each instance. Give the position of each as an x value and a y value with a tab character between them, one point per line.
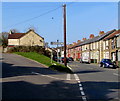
92	48
74	51
112	45
30	38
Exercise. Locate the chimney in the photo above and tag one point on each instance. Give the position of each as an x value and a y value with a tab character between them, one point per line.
74	43
101	32
91	36
10	32
78	41
31	29
84	39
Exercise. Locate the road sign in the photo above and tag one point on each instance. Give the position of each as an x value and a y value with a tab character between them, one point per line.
57	43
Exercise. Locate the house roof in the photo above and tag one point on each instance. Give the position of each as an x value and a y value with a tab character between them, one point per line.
19	35
97	38
112	35
16	35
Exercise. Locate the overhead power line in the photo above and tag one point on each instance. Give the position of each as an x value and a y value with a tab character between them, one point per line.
37	16
33	17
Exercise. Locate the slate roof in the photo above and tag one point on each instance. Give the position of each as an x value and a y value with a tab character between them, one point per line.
97	38
112	35
19	35
16	35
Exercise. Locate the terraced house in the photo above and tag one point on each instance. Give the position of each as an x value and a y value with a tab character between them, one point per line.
74	51
93	49
111	46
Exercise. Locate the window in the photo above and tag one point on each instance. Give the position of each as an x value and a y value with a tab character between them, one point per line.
112	44
41	41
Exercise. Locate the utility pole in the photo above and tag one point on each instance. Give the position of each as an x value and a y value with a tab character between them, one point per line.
57	52
64	21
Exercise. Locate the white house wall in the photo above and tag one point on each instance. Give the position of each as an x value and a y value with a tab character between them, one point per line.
13	41
31	39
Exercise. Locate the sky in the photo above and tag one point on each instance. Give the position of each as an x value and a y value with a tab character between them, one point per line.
83	18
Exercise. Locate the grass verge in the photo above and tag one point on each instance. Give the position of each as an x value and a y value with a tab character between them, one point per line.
44	60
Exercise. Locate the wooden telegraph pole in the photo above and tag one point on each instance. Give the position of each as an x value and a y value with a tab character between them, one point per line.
64	21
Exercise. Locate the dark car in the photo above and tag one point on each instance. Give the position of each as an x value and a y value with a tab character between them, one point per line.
107	63
70	59
62	59
56	58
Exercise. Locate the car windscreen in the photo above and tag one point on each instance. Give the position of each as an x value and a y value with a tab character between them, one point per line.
107	60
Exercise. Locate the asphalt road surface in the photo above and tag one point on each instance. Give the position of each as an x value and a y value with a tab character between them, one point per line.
23	79
98	83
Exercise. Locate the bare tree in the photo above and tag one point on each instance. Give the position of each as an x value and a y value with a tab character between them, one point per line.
4	39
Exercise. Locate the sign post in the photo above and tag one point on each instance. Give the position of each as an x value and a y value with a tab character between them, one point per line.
57	43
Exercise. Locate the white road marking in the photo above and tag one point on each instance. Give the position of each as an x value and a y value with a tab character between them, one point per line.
84	98
80	85
82	93
79	81
53	77
69	67
76	77
116	74
68	77
81	88
35	73
47	76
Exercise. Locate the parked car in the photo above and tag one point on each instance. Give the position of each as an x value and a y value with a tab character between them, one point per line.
70	59
62	59
107	63
56	59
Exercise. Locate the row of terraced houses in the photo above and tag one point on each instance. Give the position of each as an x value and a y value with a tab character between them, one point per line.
92	50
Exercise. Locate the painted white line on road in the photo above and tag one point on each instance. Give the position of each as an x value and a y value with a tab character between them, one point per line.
68	77
76	77
47	76
53	77
80	85
84	98
116	74
79	81
82	93
81	88
69	67
35	73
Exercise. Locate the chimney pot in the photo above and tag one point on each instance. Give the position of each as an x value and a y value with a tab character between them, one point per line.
101	32
91	36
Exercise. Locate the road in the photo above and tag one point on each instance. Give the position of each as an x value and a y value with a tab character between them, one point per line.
23	79
98	83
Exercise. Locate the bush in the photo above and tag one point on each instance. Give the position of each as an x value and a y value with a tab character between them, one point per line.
37	49
60	68
119	63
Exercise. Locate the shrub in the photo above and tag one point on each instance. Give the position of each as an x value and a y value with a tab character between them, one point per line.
37	49
119	63
60	68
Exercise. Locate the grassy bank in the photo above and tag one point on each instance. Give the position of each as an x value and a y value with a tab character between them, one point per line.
44	60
